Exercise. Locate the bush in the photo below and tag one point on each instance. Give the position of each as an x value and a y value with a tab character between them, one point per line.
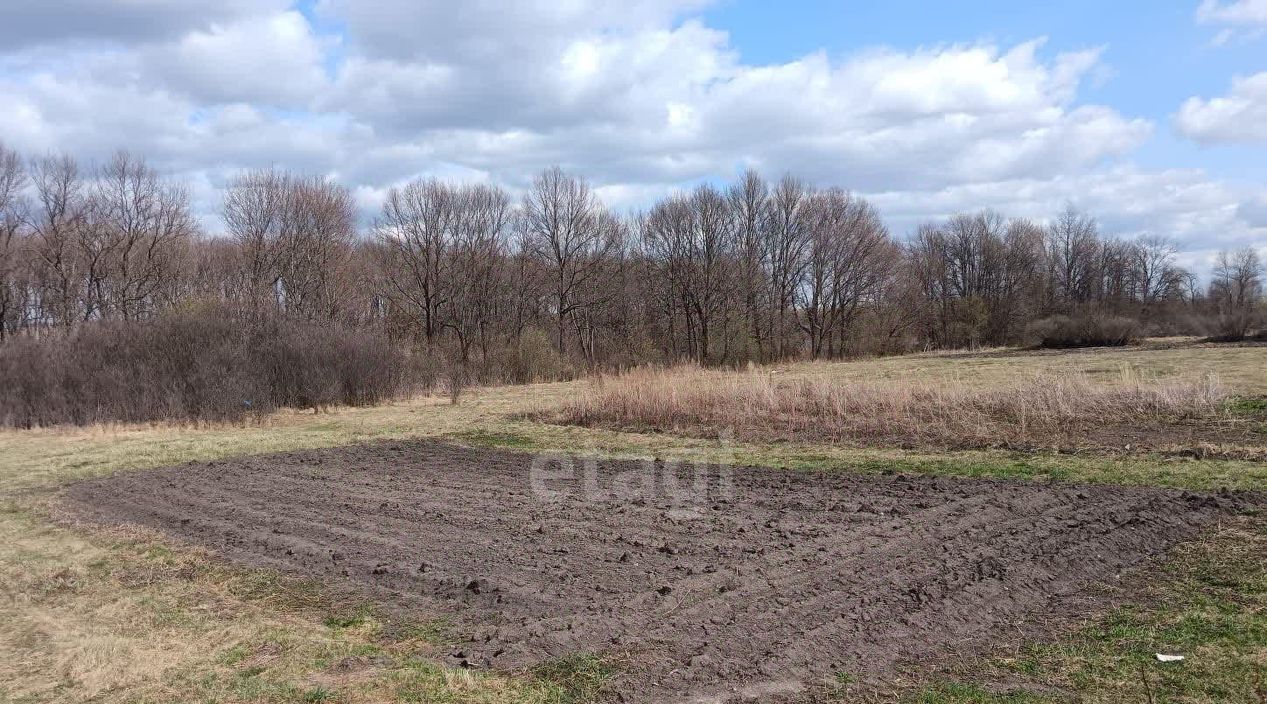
1233	327
531	358
310	366
1059	331
203	364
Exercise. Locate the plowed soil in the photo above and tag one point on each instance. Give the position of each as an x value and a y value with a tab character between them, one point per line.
756	592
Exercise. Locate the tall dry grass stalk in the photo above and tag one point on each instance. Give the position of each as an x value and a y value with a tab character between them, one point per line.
757	404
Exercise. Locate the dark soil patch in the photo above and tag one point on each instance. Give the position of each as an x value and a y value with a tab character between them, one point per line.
763	590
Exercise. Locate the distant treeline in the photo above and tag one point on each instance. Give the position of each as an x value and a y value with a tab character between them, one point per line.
554	282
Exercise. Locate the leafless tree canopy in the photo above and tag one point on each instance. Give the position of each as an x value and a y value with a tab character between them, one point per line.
552	282
296	236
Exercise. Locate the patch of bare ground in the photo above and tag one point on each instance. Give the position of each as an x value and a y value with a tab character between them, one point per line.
755	584
1043	412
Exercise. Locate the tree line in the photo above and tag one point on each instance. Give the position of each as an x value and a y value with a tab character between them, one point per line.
554	281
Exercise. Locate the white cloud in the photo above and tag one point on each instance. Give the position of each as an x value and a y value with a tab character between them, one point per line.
1245	18
273	59
1254	212
1236	12
663	104
1239	116
1200	213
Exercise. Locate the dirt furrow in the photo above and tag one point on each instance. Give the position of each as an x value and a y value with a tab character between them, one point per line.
778	582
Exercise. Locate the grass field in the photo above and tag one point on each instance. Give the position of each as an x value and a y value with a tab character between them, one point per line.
130	618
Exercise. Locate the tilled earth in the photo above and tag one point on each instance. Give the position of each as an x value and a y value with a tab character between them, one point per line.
713	584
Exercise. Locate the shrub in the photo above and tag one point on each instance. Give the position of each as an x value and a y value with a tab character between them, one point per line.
1060	331
457	377
1233	327
202	364
311	366
531	358
424	368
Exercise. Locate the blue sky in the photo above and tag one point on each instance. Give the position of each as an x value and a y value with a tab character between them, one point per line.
1150	115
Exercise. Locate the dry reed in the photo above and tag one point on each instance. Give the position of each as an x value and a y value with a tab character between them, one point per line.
1043	409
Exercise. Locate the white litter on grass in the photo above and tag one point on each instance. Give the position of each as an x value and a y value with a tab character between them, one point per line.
1168	658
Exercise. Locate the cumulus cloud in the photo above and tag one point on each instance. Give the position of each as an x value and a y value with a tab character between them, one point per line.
1239	116
1201	214
273	59
641	97
1186	204
1237	12
664	104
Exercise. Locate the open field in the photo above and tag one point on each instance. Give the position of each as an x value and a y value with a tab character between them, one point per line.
130	616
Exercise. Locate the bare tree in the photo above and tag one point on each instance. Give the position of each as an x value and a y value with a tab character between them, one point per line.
596	292
1020	287
786	239
416	229
295	234
1153	269
1114	283
667	242
690	241
749	209
1236	289
477	265
1238	278
13	213
137	234
57	224
719	275
849	258
320	225
253	217
979	271
563	226
1072	246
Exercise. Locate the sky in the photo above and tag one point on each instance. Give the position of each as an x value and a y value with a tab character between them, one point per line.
1152	115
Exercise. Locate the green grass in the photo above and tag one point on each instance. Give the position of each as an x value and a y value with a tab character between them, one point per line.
575	678
572	680
837	689
959	693
1250	406
437	632
350	617
494	439
318	694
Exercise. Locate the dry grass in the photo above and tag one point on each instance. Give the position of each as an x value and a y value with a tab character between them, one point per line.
1042	410
1241	367
122	617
